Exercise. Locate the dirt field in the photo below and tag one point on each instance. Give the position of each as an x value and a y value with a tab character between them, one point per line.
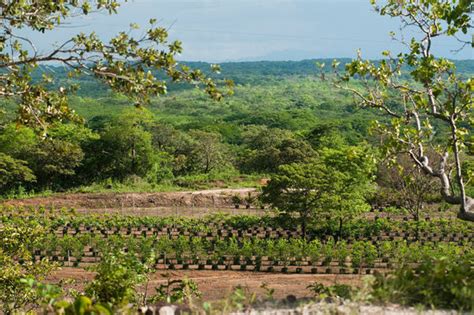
193	204
189	204
216	285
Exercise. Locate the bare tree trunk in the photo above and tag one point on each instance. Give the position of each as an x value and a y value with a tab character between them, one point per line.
466	211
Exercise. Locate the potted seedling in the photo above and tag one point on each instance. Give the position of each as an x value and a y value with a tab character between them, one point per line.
249	200
236	200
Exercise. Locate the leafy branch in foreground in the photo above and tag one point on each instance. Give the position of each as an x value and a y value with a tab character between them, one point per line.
433	110
129	63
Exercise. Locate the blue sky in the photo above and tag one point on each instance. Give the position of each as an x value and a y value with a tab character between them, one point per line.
236	30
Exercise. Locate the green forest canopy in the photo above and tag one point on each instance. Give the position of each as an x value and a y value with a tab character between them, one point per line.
281	112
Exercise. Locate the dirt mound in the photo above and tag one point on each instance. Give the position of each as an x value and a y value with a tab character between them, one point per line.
203	198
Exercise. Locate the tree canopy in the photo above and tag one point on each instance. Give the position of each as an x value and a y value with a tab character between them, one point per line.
434	108
129	63
334	186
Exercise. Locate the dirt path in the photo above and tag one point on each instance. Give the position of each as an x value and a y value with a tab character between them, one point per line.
219	284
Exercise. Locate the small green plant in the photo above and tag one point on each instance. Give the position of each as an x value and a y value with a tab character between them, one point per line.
236	201
82	305
268	291
249	200
337	290
241	299
176	291
437	282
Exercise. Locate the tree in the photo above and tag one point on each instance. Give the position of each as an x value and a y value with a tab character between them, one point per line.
208	152
17	141
124	148
333	187
13	173
55	161
406	185
117	276
54	158
297	188
128	63
266	149
174	142
431	109
350	182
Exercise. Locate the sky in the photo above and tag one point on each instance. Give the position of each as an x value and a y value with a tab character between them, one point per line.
250	30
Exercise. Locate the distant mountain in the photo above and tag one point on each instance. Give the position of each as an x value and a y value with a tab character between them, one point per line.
284	55
245	72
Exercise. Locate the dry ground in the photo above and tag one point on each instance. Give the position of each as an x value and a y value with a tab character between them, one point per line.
216	285
191	204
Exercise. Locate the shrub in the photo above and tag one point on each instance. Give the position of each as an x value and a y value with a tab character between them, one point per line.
116	280
436	282
337	290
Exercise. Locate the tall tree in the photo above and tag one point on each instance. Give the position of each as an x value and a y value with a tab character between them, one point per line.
332	187
265	149
208	153
433	109
124	149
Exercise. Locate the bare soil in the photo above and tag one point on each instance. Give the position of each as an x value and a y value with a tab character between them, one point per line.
191	203
216	285
187	203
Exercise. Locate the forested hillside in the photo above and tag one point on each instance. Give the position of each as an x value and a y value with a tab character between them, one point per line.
281	112
316	186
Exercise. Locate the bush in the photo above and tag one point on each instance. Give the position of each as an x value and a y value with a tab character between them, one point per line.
116	280
437	282
13	173
337	290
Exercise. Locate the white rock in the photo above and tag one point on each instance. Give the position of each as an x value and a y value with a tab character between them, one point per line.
168	310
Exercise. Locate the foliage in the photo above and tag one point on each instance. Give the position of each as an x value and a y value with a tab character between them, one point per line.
128	63
17	264
264	150
116	280
13	173
337	290
434	108
180	291
82	305
208	152
54	161
438	282
405	186
123	149
334	185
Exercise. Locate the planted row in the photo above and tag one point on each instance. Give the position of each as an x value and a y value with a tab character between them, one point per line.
66	220
283	251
